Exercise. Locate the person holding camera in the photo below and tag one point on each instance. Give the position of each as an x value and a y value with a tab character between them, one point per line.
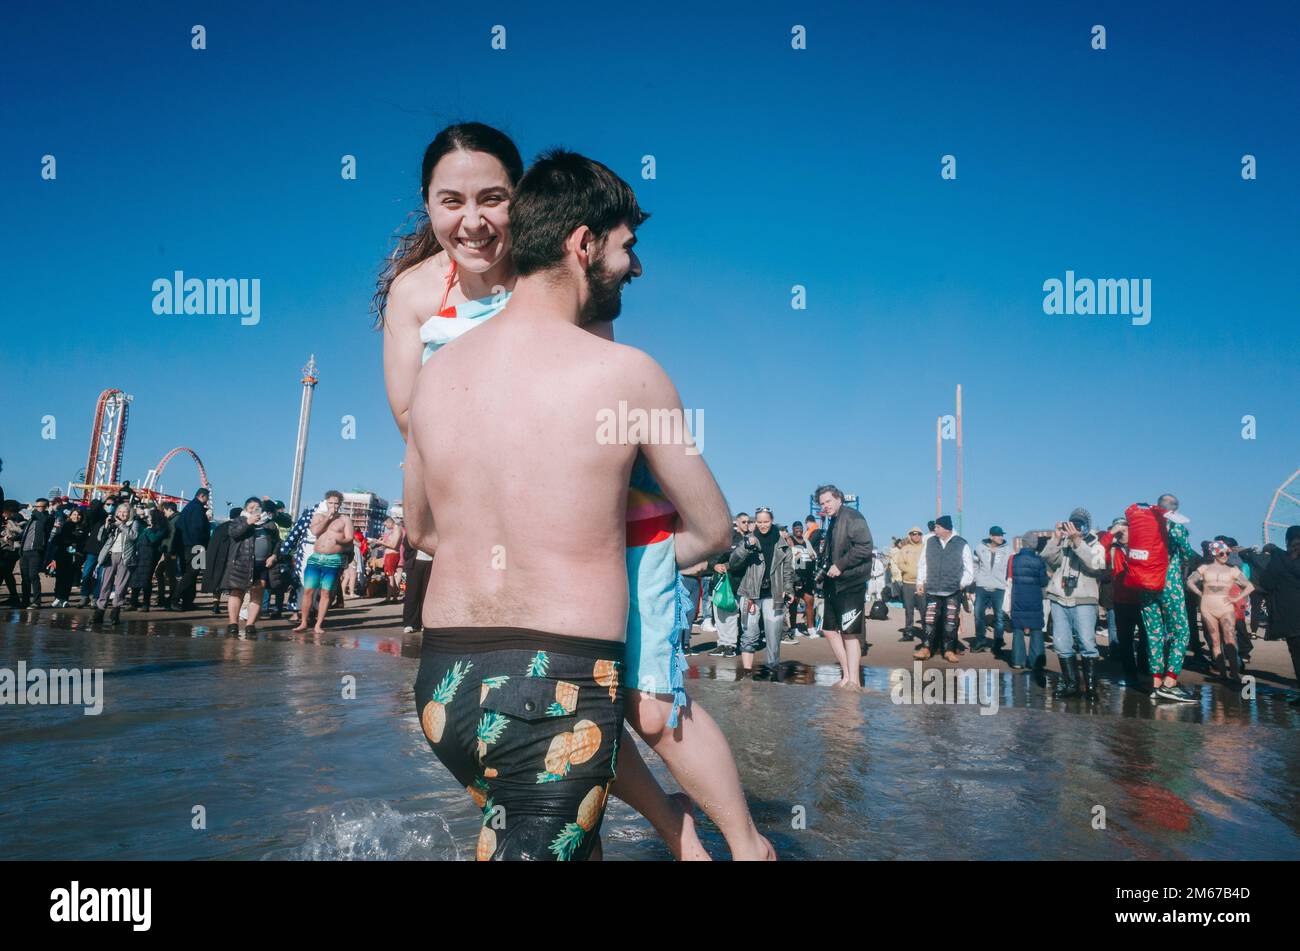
1077	561
767	586
804	565
149	549
117	557
845	565
945	570
253	540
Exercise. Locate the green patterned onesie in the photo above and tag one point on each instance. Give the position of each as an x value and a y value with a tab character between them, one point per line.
1164	613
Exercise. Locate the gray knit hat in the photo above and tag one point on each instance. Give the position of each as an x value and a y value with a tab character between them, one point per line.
1082	515
1029	540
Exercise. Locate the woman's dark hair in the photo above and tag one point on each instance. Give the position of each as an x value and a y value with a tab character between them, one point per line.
420	244
157	519
560	192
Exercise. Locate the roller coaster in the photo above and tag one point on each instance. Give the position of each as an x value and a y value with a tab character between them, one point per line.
102	475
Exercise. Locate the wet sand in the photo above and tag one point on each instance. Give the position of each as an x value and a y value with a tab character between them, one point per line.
258	730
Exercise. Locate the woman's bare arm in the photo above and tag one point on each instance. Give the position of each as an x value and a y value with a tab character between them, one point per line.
411	301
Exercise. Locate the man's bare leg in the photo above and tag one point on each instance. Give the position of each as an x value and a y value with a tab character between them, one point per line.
304	609
837	646
322	608
852	657
670	815
697	754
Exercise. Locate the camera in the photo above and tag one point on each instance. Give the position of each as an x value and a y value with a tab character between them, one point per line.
1068	584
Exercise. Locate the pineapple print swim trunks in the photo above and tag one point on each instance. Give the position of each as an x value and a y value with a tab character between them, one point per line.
529	723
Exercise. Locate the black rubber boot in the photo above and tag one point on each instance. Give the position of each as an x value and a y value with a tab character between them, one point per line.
114	615
1067	685
1090	677
98	616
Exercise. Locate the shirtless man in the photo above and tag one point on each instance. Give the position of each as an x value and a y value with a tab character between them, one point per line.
519	697
333	537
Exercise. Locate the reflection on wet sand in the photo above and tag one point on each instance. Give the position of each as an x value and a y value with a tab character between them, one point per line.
260	731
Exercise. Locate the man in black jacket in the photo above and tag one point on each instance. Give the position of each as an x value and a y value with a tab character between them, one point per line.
845	560
192	532
31	548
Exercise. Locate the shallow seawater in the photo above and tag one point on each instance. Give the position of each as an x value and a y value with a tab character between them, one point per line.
259	734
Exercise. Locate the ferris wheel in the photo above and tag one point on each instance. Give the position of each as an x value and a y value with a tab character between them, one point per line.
1283	511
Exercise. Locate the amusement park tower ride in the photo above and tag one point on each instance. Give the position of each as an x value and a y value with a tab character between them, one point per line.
309	379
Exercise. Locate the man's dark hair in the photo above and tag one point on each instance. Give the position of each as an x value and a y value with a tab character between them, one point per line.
561	192
40	500
202	490
334	494
252	498
740	515
828	488
234	512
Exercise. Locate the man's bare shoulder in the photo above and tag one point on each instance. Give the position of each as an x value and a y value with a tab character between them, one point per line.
639	373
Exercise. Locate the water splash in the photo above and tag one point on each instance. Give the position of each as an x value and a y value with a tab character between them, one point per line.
366	830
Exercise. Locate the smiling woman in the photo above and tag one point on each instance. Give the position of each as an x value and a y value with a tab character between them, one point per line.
459	251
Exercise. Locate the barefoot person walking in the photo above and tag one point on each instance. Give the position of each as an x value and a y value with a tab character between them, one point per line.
334	535
846	561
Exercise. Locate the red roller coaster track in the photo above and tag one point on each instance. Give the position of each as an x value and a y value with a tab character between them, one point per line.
104	462
162	464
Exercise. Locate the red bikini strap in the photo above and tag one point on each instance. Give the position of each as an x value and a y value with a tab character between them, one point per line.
451	280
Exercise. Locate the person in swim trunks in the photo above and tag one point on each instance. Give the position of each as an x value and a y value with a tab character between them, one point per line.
466	169
513	427
334	535
529	724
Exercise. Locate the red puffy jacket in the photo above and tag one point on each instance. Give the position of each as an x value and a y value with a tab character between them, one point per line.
1148	550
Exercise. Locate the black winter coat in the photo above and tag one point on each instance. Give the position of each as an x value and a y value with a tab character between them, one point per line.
850	548
215	556
147	551
1281	582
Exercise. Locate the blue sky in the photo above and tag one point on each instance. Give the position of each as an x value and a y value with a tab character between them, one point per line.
775	167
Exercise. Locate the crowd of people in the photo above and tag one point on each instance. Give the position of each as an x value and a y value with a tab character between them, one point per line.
824	577
820	577
131	552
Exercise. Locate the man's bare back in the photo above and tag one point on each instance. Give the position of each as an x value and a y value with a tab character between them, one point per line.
529	508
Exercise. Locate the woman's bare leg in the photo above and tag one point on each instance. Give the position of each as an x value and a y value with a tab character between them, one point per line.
670	815
234	600
697	755
254	602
